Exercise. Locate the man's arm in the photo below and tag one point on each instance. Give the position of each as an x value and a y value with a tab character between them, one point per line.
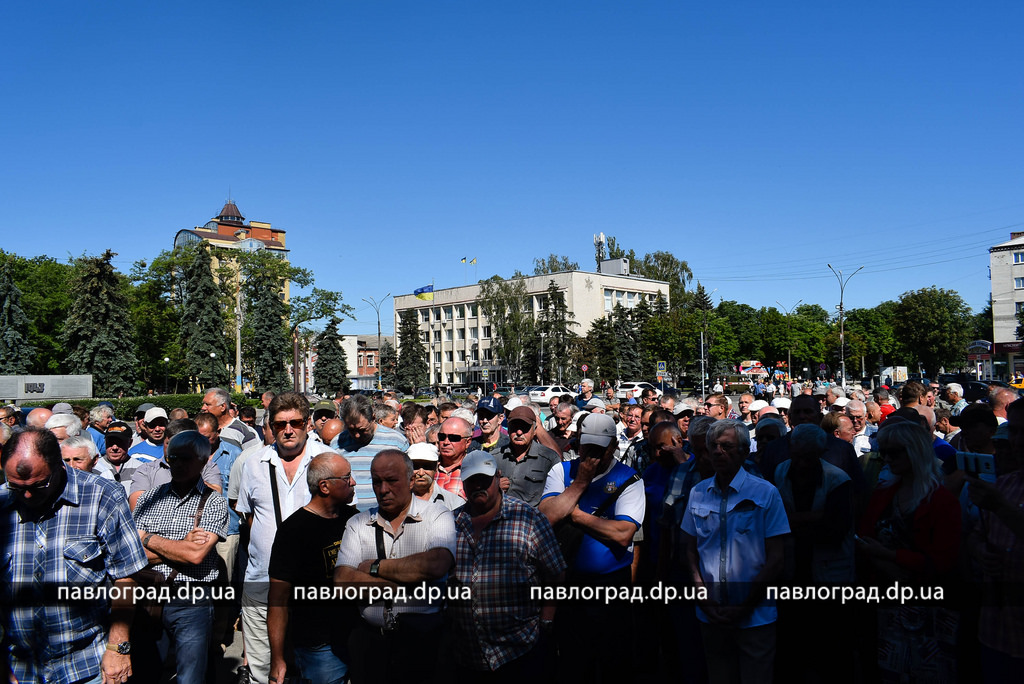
425	566
277	627
557	508
116	668
618	532
193	549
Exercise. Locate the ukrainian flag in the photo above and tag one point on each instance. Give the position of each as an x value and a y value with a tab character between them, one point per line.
425	293
463	259
473	261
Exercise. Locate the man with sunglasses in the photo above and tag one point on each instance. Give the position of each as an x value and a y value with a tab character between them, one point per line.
90	540
452	444
272	487
304	554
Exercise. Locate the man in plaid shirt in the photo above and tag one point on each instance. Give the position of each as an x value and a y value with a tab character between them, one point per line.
184	552
63	527
504	547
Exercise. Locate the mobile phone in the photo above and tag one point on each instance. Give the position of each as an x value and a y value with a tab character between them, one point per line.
976	464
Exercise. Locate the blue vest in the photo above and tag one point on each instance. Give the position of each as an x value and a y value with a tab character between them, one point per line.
595	556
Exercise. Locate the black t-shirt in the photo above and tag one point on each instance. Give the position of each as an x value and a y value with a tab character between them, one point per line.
304	554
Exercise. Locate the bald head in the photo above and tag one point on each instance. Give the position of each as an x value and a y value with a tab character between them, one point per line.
1000	399
331	429
38	417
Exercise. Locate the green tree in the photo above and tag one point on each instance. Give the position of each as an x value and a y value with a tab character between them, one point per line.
412	370
330	374
627	344
599	350
554	329
16	354
936	325
554	263
503	302
46	298
746	327
658	265
983	323
156	308
388	365
266	343
204	340
98	332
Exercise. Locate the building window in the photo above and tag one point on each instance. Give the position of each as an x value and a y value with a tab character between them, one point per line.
472	310
460	312
448	356
448	335
462	355
359	361
369	360
1018	257
487	332
460	334
473	333
424	315
619	294
447	313
630	300
1018	307
1018	283
424	336
437	357
437	313
474	355
487	355
607	300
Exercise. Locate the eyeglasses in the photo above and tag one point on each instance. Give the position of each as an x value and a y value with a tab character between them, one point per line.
443	437
424	465
35	489
347	478
296	423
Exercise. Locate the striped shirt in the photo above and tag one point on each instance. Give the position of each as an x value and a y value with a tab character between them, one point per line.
359	457
86	538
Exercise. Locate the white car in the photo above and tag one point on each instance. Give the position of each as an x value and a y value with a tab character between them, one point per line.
635	389
543	393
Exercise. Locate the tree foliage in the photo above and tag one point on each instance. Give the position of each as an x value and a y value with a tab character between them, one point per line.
935	325
411	370
388	360
503	303
659	265
266	343
554	326
16	353
205	338
554	263
330	374
98	332
45	285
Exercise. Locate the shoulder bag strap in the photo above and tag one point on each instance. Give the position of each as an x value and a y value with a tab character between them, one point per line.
610	501
273	491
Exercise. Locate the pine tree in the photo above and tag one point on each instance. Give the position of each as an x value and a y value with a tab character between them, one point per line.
330	373
660	305
388	365
627	344
411	370
98	334
271	348
601	348
554	323
203	335
16	354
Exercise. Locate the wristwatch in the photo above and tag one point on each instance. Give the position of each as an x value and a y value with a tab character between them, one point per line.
375	568
145	540
123	648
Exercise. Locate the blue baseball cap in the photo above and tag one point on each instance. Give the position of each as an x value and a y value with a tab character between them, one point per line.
491	405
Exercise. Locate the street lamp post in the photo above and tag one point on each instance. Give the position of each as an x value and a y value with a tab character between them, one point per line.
376	307
166	361
789	336
842	330
213	365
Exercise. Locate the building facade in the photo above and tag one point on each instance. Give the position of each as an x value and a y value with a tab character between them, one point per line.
457	336
1006	271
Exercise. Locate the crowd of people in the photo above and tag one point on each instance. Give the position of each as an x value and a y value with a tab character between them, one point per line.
814	533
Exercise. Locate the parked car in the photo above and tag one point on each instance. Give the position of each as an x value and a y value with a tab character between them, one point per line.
634	390
503	390
542	394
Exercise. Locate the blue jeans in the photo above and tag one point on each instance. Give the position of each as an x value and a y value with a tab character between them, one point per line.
322	664
190	627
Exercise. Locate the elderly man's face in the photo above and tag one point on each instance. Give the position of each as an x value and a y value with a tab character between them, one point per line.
360	429
725	454
29	478
78	458
391	484
846	431
714	409
744	403
452	441
212	406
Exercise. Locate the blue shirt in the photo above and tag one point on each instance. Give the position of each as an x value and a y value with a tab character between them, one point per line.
359	457
224	458
99	438
731	528
146	451
87	538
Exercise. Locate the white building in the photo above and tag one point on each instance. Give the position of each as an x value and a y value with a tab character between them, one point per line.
1006	271
457	337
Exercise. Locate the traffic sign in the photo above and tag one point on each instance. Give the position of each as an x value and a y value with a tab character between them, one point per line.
486	374
584	368
662	367
822	367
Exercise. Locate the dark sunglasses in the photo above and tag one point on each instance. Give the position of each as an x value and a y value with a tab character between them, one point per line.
424	465
296	423
443	437
35	489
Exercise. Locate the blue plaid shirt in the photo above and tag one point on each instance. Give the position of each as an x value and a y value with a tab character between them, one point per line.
86	538
516	550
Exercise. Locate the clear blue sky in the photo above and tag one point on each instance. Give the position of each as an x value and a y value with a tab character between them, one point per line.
757	141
